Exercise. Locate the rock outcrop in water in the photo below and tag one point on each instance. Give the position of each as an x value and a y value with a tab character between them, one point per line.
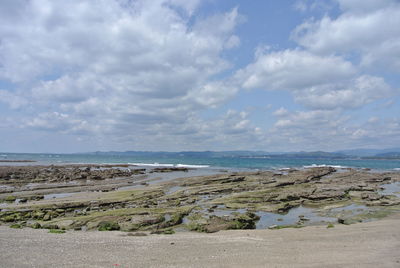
128	198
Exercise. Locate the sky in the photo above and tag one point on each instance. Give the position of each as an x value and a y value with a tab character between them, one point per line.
179	75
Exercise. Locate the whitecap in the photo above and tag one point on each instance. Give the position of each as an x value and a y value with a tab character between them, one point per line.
192	166
152	165
169	165
323	165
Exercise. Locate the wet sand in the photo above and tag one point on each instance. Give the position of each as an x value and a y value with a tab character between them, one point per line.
370	244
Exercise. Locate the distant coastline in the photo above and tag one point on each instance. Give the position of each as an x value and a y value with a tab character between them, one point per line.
242	160
16	161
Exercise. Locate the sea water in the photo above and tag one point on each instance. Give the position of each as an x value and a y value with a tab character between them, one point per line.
200	162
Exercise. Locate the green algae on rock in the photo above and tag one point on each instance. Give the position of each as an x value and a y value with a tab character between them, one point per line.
195	203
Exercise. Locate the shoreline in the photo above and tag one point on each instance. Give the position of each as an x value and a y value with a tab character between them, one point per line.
371	244
167	199
169	217
16	161
233	162
209	168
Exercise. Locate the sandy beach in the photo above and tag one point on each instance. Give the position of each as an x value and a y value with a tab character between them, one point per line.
371	244
187	221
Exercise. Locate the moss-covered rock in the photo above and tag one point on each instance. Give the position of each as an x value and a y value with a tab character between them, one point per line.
36	225
200	223
9	218
196	222
167	231
38	214
108	226
56	231
142	222
50	226
245	221
172	220
10	198
65	224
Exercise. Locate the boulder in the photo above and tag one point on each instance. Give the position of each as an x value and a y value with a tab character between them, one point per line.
371	196
65	224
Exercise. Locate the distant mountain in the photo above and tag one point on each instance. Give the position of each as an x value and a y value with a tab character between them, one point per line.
184	153
367	152
309	155
244	154
391	155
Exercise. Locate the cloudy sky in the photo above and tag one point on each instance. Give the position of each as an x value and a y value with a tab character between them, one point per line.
172	75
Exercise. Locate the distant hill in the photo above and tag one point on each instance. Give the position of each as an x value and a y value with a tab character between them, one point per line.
391	155
184	153
343	154
245	154
309	155
368	152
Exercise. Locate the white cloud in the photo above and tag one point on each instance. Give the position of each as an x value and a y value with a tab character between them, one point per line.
139	74
300	5
348	94
281	112
308	119
308	130
318	82
213	93
366	134
330	130
369	28
293	70
360	6
11	99
68	88
312	5
188	5
116	66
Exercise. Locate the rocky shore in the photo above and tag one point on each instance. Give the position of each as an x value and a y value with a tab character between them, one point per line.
168	200
371	244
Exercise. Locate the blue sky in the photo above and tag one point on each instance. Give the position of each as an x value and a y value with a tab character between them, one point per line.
177	75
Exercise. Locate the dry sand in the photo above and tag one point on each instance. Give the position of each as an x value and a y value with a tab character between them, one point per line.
372	244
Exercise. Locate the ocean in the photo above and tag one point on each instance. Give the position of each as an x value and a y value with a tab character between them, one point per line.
239	163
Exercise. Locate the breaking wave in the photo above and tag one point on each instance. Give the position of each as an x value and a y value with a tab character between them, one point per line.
314	166
169	165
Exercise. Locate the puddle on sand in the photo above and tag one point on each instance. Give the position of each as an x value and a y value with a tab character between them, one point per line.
59	195
222	211
173	189
391	189
219	211
227	212
292	217
348	211
269	219
32	186
17	201
131	187
352	207
168	176
167	217
5	204
6	188
159	177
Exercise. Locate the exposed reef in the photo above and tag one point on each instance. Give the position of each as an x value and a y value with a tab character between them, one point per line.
129	198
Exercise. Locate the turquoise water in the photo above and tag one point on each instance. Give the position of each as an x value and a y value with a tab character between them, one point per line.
217	162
